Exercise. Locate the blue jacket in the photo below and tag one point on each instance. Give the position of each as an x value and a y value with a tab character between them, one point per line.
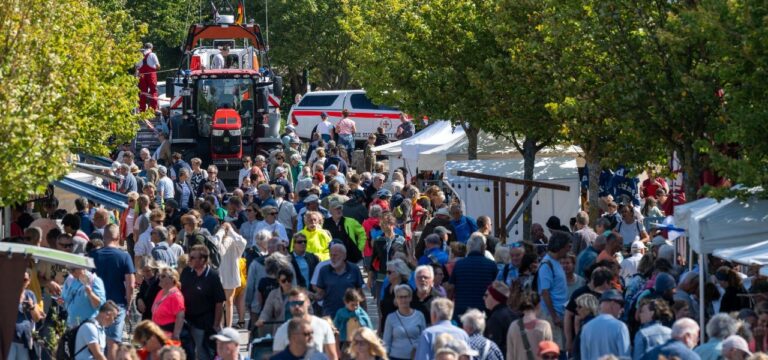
672	348
436	253
463	228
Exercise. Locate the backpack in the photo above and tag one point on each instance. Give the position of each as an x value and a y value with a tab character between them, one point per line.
535	283
66	348
215	256
164	254
390	248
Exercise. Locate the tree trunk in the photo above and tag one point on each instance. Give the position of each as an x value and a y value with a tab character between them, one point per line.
593	164
691	171
472	134
529	160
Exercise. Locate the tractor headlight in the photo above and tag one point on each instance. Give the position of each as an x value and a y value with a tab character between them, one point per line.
235	132
217	132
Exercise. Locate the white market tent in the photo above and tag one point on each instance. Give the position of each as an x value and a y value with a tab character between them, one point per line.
406	152
754	254
490	147
477	195
731	227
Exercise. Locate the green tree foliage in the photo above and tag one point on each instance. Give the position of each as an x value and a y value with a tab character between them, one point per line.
167	22
65	69
744	69
307	34
596	91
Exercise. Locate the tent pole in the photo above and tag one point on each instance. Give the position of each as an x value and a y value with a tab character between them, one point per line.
702	314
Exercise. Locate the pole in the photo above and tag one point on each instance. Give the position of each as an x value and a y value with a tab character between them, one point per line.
702	313
266	21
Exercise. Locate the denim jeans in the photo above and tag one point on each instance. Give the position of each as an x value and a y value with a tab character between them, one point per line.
202	345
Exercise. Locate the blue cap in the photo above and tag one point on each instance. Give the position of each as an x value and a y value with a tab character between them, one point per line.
323	115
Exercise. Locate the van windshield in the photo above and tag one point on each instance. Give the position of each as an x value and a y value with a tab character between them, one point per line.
312	100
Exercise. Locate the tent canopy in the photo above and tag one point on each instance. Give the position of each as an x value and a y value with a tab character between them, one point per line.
110	199
730	223
753	254
435	135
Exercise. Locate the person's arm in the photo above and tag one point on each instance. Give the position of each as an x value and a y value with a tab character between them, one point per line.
388	336
644	235
423	349
547	298
93	298
178	325
130	280
568	329
96	351
330	351
218	310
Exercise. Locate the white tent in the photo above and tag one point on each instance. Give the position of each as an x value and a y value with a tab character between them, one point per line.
754	254
477	195
729	223
490	147
729	226
406	153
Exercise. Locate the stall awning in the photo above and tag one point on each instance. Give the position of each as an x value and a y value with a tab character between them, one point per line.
110	199
753	254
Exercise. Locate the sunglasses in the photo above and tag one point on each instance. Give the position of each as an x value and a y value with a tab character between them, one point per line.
300	242
273	213
196	257
295	303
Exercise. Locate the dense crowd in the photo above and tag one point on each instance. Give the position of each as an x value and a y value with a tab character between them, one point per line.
289	254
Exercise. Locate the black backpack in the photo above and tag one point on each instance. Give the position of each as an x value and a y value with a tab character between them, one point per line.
213	249
66	348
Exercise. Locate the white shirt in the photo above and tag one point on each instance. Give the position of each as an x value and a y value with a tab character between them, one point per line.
231	245
152	60
629	266
286	212
144	246
218	62
322	334
272	228
165	187
324	127
244	173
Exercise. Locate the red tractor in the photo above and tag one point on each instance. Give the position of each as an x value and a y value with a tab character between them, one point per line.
226	135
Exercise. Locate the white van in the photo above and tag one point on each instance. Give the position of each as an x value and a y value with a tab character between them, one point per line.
367	115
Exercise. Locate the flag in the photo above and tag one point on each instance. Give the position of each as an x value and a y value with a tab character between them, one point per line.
240	19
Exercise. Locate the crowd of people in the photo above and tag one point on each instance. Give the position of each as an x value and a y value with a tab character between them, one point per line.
289	253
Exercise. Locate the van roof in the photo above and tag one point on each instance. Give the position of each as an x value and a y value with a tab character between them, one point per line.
335	92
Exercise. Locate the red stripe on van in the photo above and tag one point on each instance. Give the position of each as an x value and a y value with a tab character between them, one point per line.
362	115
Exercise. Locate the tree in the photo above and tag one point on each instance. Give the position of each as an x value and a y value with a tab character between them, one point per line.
520	84
466	61
743	70
167	22
67	87
595	94
307	34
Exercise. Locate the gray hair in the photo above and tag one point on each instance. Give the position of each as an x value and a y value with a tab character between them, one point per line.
262	236
474	320
260	158
426	268
442	309
379	176
340	247
162	233
279	192
296	157
446	352
404	287
276	262
183	171
684	327
375	211
265	187
400	267
476	242
722	326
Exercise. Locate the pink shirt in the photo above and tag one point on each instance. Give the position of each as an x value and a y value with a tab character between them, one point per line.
346	126
165	308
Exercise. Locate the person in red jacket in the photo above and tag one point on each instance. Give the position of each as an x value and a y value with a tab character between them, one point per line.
146	70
